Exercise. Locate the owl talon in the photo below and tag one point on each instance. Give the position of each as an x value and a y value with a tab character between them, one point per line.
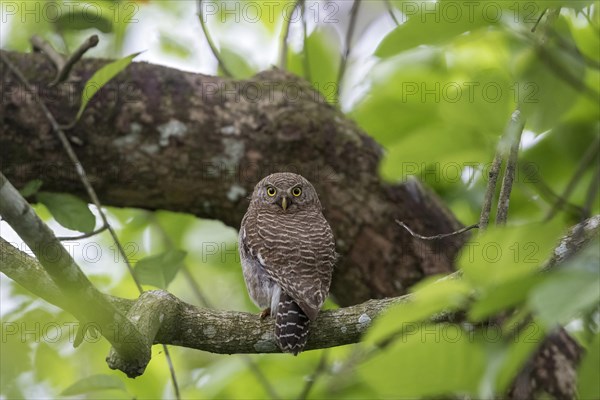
265	313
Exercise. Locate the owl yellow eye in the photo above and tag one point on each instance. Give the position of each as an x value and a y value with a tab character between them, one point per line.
271	191
296	191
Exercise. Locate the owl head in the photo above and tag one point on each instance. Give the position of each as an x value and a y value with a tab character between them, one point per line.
286	192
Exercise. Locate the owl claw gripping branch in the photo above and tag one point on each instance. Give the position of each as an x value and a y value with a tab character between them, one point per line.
288	253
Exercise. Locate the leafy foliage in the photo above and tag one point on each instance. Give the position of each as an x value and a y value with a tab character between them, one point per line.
68	210
437	91
101	78
159	270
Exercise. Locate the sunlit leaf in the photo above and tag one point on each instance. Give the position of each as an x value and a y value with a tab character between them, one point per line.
449	357
81	18
431	26
159	270
94	383
236	64
429	298
504	254
322	53
502	297
69	211
171	45
101	78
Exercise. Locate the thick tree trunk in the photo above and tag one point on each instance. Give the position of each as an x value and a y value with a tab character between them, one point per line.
158	138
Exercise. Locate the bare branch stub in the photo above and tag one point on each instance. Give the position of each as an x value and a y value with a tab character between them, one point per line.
63	64
63	73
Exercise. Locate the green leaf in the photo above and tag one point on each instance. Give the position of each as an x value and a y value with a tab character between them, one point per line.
427	27
69	211
94	383
569	291
322	49
548	71
588	385
510	357
170	44
84	18
504	254
429	298
159	270
565	295
444	356
31	188
101	78
503	296
236	64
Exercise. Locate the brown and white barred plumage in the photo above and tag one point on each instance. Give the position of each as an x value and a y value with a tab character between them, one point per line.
288	253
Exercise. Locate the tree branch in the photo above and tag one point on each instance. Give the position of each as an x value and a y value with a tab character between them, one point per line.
61	268
490	190
185	325
513	136
202	144
228	332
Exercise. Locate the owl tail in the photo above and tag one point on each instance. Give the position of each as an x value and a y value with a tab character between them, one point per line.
291	326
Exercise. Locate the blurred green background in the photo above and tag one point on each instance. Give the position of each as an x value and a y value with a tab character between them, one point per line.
435	83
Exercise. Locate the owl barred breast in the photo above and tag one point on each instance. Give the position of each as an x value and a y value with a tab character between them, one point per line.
288	253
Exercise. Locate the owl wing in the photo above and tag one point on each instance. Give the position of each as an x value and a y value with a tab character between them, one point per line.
297	253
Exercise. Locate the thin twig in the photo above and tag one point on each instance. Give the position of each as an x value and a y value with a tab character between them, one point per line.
63	73
305	59
436	237
321	367
172	371
211	44
587	158
84	236
348	42
284	39
391	12
538	20
84	180
515	130
490	190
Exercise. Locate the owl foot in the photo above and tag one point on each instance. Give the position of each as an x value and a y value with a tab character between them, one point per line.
265	313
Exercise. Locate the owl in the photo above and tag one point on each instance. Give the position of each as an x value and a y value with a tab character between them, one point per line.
287	252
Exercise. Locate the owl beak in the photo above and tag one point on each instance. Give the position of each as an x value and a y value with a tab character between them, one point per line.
284	203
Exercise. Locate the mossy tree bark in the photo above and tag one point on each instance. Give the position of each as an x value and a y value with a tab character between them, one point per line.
159	138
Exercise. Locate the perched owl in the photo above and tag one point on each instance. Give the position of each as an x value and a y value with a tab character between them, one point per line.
288	253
